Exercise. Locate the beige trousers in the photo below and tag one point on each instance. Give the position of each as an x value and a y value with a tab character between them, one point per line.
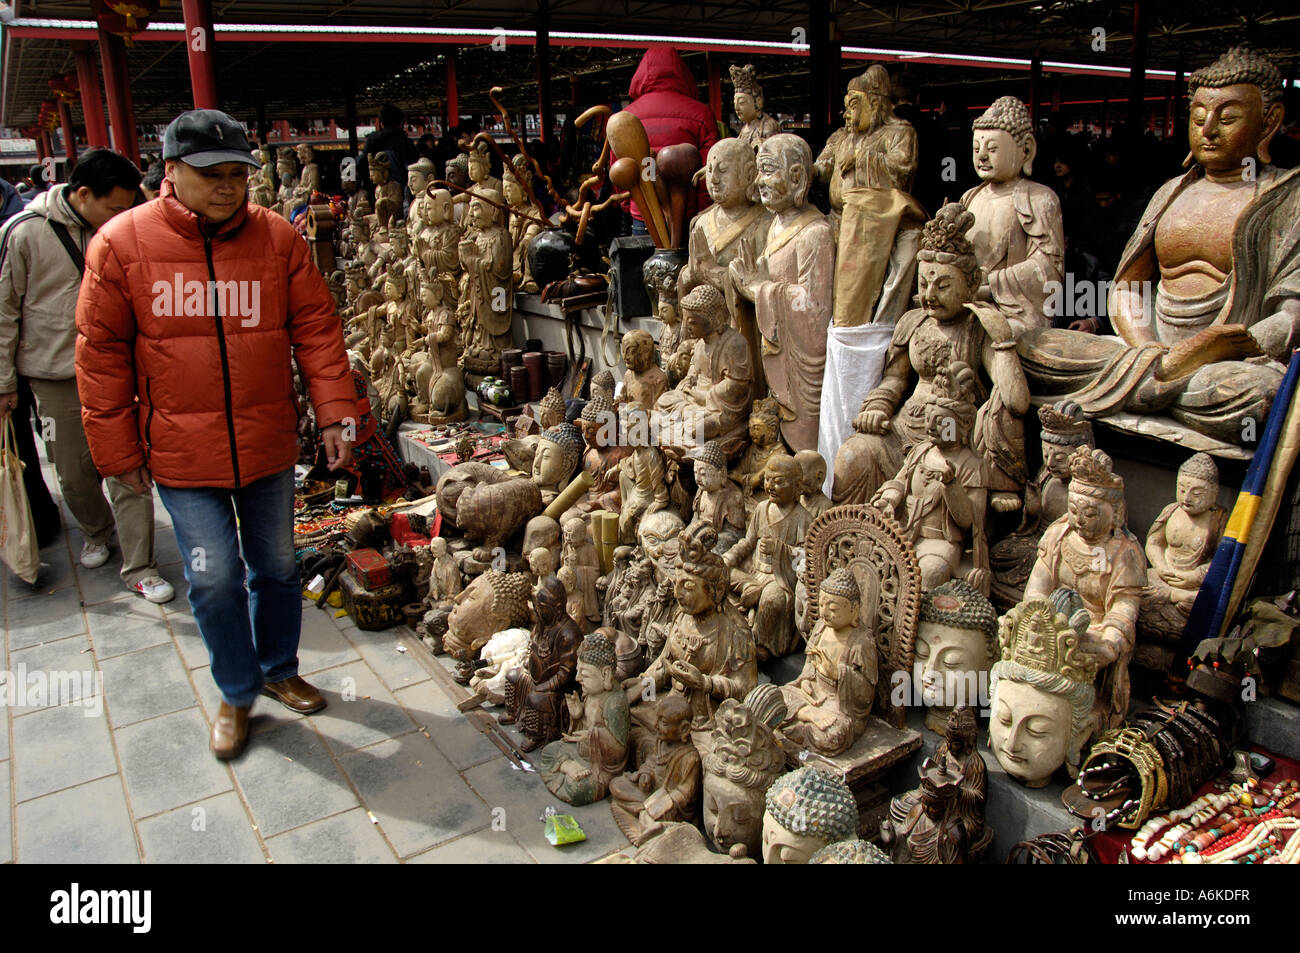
59	410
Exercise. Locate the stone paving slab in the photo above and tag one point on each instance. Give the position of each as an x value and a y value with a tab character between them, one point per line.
125	624
214	831
6	821
145	684
57	748
166	763
462	743
487	846
361	710
347	838
66	655
88	824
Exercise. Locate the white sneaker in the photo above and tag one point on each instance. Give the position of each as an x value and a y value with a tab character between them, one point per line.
155	589
93	556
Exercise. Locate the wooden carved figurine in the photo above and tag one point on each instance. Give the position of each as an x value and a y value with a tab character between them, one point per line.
811	494
718	501
666	787
446	391
579	554
286	169
1091	551
790	286
593	751
956	644
757	126
931	832
644	382
489	604
764	443
741	761
642	487
830	701
763	560
486	301
535	693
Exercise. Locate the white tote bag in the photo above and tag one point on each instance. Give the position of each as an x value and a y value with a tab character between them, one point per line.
17	529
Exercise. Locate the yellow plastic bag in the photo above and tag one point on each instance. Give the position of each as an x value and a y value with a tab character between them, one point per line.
17	528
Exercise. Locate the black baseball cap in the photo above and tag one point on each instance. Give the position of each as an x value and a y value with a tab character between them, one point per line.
205	137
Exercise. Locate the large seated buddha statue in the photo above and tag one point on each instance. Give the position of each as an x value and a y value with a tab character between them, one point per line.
1206	300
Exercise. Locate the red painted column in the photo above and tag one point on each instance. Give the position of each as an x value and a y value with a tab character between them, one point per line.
453	100
200	48
121	114
69	134
41	139
47	146
92	105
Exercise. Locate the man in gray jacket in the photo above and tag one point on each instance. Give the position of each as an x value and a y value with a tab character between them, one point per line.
42	254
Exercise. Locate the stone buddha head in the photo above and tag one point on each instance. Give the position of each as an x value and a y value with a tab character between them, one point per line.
956	643
596	662
1064	430
1042	688
599	423
704	312
806	810
701	581
1095	506
1003	144
541	562
1235	111
638	350
659	536
492	602
947	272
730	173
785	166
742	761
867	103
559	451
748	96
1198	484
551	409
839	600
710	467
418	175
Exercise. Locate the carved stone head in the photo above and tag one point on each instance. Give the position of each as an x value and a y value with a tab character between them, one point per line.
742	761
806	810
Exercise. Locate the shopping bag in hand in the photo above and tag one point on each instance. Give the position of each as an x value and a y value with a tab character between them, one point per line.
17	528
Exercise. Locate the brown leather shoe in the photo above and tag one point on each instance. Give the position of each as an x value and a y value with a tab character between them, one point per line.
295	694
229	732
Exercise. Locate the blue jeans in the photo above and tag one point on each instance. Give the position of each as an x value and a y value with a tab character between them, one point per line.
252	630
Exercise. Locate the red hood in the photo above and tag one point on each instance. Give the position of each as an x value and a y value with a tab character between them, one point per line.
662	69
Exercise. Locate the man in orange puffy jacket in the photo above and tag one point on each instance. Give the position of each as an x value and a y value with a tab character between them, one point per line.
190	312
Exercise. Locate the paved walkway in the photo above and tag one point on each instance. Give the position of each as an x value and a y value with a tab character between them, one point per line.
389	772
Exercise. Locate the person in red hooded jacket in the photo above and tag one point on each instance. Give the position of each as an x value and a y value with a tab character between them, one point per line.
665	97
192	310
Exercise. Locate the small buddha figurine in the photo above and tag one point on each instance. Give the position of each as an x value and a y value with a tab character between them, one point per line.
714	398
642	487
765	443
579	554
445	579
535	693
388	194
1018	234
286	169
418	176
709	653
869	165
580	766
956	644
575	604
790	286
522	229
666	786
661	276
741	761
481	179
309	179
603	456
763	560
1180	545
485	306
446	391
1063	429
939	494
830	701
814	500
559	453
541	563
756	125
438	239
1209	347
401	311
655	606
261	184
804	811
1041	691
932	831
1091	551
718	501
491	603
644	382
949	326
